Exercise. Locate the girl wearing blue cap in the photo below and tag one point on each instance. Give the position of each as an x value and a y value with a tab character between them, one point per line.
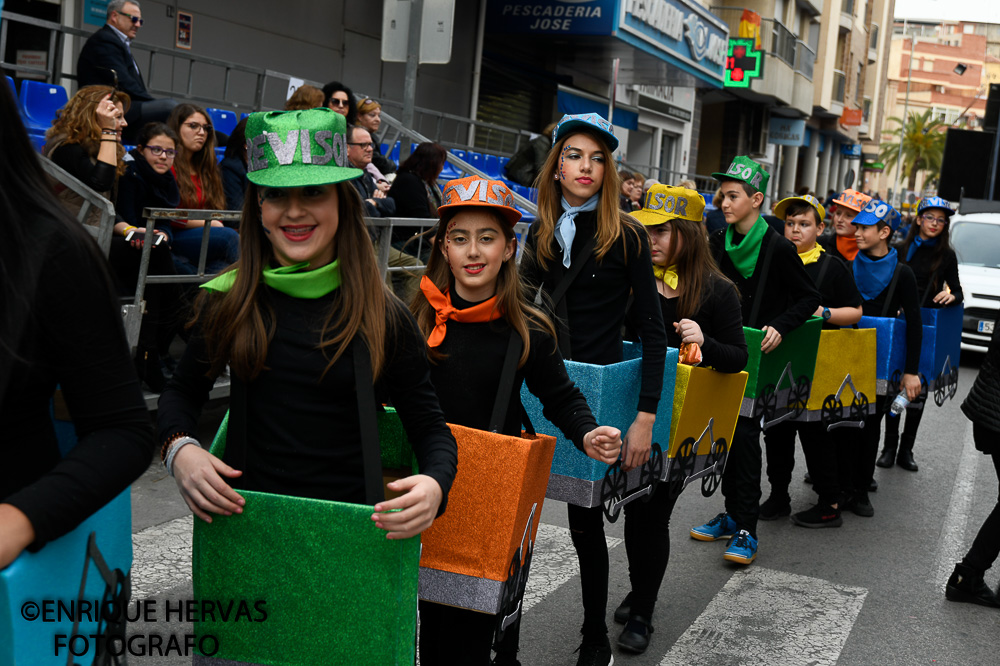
471	303
928	253
303	299
587	257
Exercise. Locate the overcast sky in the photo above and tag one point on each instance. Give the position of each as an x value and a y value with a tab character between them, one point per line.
982	11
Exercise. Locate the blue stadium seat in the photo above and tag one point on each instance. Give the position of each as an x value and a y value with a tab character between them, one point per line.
477	160
244	116
394	153
220	152
13	88
385	148
460	154
38	103
503	163
491	166
222	121
449	172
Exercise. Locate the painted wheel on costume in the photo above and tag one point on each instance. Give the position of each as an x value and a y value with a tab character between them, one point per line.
684	461
512	592
651	471
832	410
717	457
892	389
799	396
767	402
940	390
613	489
952	383
859	408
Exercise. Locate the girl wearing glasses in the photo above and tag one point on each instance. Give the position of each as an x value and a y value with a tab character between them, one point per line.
85	140
200	183
928	252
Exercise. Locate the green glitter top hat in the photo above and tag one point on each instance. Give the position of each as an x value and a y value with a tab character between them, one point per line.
298	148
745	169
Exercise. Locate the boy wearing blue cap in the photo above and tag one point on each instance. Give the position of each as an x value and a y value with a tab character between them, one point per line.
777	295
887	286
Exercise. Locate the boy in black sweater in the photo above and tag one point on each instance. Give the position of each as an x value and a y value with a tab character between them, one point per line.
840	305
887	286
777	296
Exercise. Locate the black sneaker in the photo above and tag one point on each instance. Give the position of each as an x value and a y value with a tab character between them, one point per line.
862	506
595	652
635	636
624	609
774	508
819	516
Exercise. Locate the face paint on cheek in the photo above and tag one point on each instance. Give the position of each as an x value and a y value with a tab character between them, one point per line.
562	162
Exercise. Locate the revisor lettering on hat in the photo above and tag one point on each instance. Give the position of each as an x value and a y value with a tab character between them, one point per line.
661	200
501	195
284	151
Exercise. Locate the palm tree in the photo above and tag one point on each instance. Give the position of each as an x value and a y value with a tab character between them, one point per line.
923	140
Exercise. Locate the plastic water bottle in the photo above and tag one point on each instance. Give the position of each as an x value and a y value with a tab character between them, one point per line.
899	404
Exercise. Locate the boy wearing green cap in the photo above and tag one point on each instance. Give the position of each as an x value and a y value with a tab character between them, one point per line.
777	296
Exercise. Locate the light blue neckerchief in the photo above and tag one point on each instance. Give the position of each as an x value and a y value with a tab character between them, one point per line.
566	225
915	245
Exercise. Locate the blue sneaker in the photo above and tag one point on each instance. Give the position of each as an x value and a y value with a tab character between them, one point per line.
742	548
720	527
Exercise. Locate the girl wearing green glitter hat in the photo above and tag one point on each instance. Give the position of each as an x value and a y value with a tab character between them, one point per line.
295	321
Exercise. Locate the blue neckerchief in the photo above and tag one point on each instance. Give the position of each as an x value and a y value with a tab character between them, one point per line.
566	225
917	242
874	275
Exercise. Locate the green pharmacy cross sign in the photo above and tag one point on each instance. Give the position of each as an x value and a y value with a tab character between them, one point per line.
743	63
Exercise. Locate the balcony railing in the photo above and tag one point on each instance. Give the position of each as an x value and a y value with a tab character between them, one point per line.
873	41
847	7
775	38
805	59
839	85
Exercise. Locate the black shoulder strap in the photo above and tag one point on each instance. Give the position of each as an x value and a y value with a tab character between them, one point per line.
367	419
762	283
558	296
506	385
236	441
822	271
892	289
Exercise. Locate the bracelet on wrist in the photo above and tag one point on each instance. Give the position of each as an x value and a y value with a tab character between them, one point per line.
109	140
173	438
176	446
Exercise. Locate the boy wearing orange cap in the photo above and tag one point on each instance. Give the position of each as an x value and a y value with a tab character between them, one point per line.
845	207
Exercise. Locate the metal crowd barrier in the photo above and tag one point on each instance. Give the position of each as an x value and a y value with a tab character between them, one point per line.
104	229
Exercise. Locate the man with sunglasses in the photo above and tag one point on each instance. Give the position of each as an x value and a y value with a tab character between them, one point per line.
109	48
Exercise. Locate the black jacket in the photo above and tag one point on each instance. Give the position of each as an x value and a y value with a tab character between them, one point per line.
365	186
141	187
103	52
982	405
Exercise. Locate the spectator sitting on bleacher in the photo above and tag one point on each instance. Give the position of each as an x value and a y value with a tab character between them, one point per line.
85	140
109	49
415	189
359	153
339	97
234	166
524	166
304	97
200	184
625	196
370	117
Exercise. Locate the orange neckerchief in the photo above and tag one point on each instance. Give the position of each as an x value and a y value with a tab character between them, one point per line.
441	303
848	247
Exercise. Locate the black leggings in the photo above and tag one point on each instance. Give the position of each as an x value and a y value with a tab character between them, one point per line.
586	528
741	480
647	543
450	635
986	545
820	448
913	417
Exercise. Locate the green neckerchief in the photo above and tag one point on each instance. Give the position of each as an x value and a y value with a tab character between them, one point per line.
291	280
744	255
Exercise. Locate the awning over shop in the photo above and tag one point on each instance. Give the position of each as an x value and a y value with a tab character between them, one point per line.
572	102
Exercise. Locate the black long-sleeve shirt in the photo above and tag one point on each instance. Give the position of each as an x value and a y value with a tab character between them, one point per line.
141	187
74	339
302	429
598	297
467	379
837	288
725	347
920	264
74	158
789	297
904	297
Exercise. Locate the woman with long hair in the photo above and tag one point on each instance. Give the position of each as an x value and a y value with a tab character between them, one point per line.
928	252
59	325
472	302
700	308
85	140
591	256
415	187
302	301
200	183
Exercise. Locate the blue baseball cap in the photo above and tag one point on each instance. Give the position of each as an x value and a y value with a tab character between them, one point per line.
935	202
589	121
878	211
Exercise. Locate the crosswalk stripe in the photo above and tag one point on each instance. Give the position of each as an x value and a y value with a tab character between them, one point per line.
951	545
553	563
763	617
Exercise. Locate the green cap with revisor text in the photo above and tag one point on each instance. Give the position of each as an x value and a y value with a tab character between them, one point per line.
750	172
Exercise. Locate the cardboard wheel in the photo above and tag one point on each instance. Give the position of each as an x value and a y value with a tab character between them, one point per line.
832	410
651	471
952	383
799	396
717	457
684	461
767	402
940	390
859	408
512	592
612	490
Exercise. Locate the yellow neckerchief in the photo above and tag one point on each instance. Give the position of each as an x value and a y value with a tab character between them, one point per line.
667	274
811	256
